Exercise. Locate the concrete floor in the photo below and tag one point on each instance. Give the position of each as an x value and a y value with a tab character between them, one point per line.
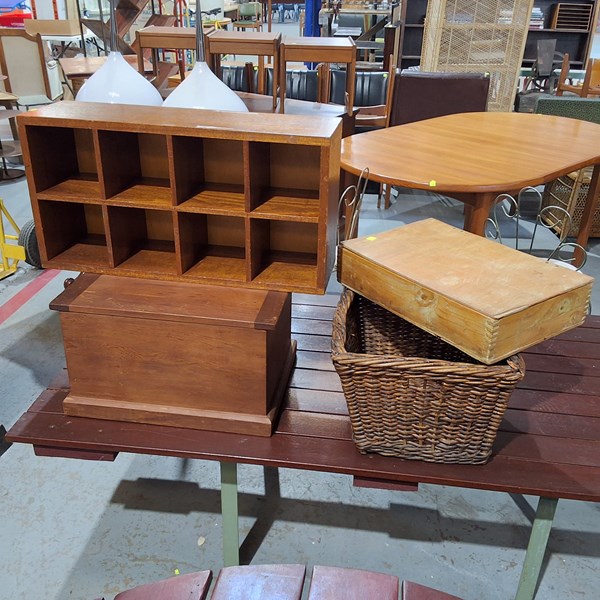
79	530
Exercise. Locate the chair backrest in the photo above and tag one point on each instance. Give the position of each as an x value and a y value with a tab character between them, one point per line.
250	9
351	20
236	77
23	61
585	109
419	95
370	88
545	57
299	84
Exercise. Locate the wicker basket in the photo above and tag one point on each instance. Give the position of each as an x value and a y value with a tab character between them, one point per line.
570	192
412	395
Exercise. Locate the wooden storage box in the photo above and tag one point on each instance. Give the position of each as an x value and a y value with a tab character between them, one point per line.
202	357
484	298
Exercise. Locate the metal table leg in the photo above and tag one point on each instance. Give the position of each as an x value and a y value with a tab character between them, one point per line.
229	512
536	548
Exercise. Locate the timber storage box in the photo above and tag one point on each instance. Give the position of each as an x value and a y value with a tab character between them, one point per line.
412	395
484	298
168	353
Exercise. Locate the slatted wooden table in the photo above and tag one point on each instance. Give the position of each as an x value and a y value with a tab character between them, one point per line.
284	582
548	445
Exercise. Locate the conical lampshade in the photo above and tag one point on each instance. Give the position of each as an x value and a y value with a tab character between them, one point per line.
117	82
203	89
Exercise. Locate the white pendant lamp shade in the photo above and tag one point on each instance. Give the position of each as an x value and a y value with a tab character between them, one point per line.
203	89
117	82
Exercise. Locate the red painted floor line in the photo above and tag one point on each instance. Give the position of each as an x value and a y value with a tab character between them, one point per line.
27	293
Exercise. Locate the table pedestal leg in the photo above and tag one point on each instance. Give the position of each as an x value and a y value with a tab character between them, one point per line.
477	213
229	513
536	548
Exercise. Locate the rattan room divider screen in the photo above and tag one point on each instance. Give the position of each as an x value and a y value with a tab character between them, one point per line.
478	36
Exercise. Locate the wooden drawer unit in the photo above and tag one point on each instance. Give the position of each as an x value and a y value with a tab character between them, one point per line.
170	353
185	195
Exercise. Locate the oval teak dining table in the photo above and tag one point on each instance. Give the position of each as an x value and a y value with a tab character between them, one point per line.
476	156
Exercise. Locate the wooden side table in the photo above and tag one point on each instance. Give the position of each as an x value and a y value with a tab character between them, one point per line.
320	50
158	38
78	68
259	44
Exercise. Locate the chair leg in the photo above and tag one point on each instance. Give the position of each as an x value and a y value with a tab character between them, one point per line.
385	190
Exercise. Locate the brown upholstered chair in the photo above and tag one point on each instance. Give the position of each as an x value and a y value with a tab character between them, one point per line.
420	95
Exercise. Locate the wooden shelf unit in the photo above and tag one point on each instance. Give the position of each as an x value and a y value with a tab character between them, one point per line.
185	195
576	42
574	38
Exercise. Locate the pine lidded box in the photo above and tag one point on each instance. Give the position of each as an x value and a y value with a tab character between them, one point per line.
488	300
179	354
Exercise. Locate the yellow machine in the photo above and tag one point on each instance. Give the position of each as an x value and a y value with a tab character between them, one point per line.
10	253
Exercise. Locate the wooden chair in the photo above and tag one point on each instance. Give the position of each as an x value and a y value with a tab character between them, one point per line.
544	75
591	80
29	75
372	94
250	16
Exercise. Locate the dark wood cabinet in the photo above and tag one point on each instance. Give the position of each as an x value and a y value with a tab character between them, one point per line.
570	23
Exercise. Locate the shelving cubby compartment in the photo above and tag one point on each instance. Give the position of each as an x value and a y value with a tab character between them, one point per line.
197	196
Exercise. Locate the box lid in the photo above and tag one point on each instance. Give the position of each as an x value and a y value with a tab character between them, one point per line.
172	301
480	274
